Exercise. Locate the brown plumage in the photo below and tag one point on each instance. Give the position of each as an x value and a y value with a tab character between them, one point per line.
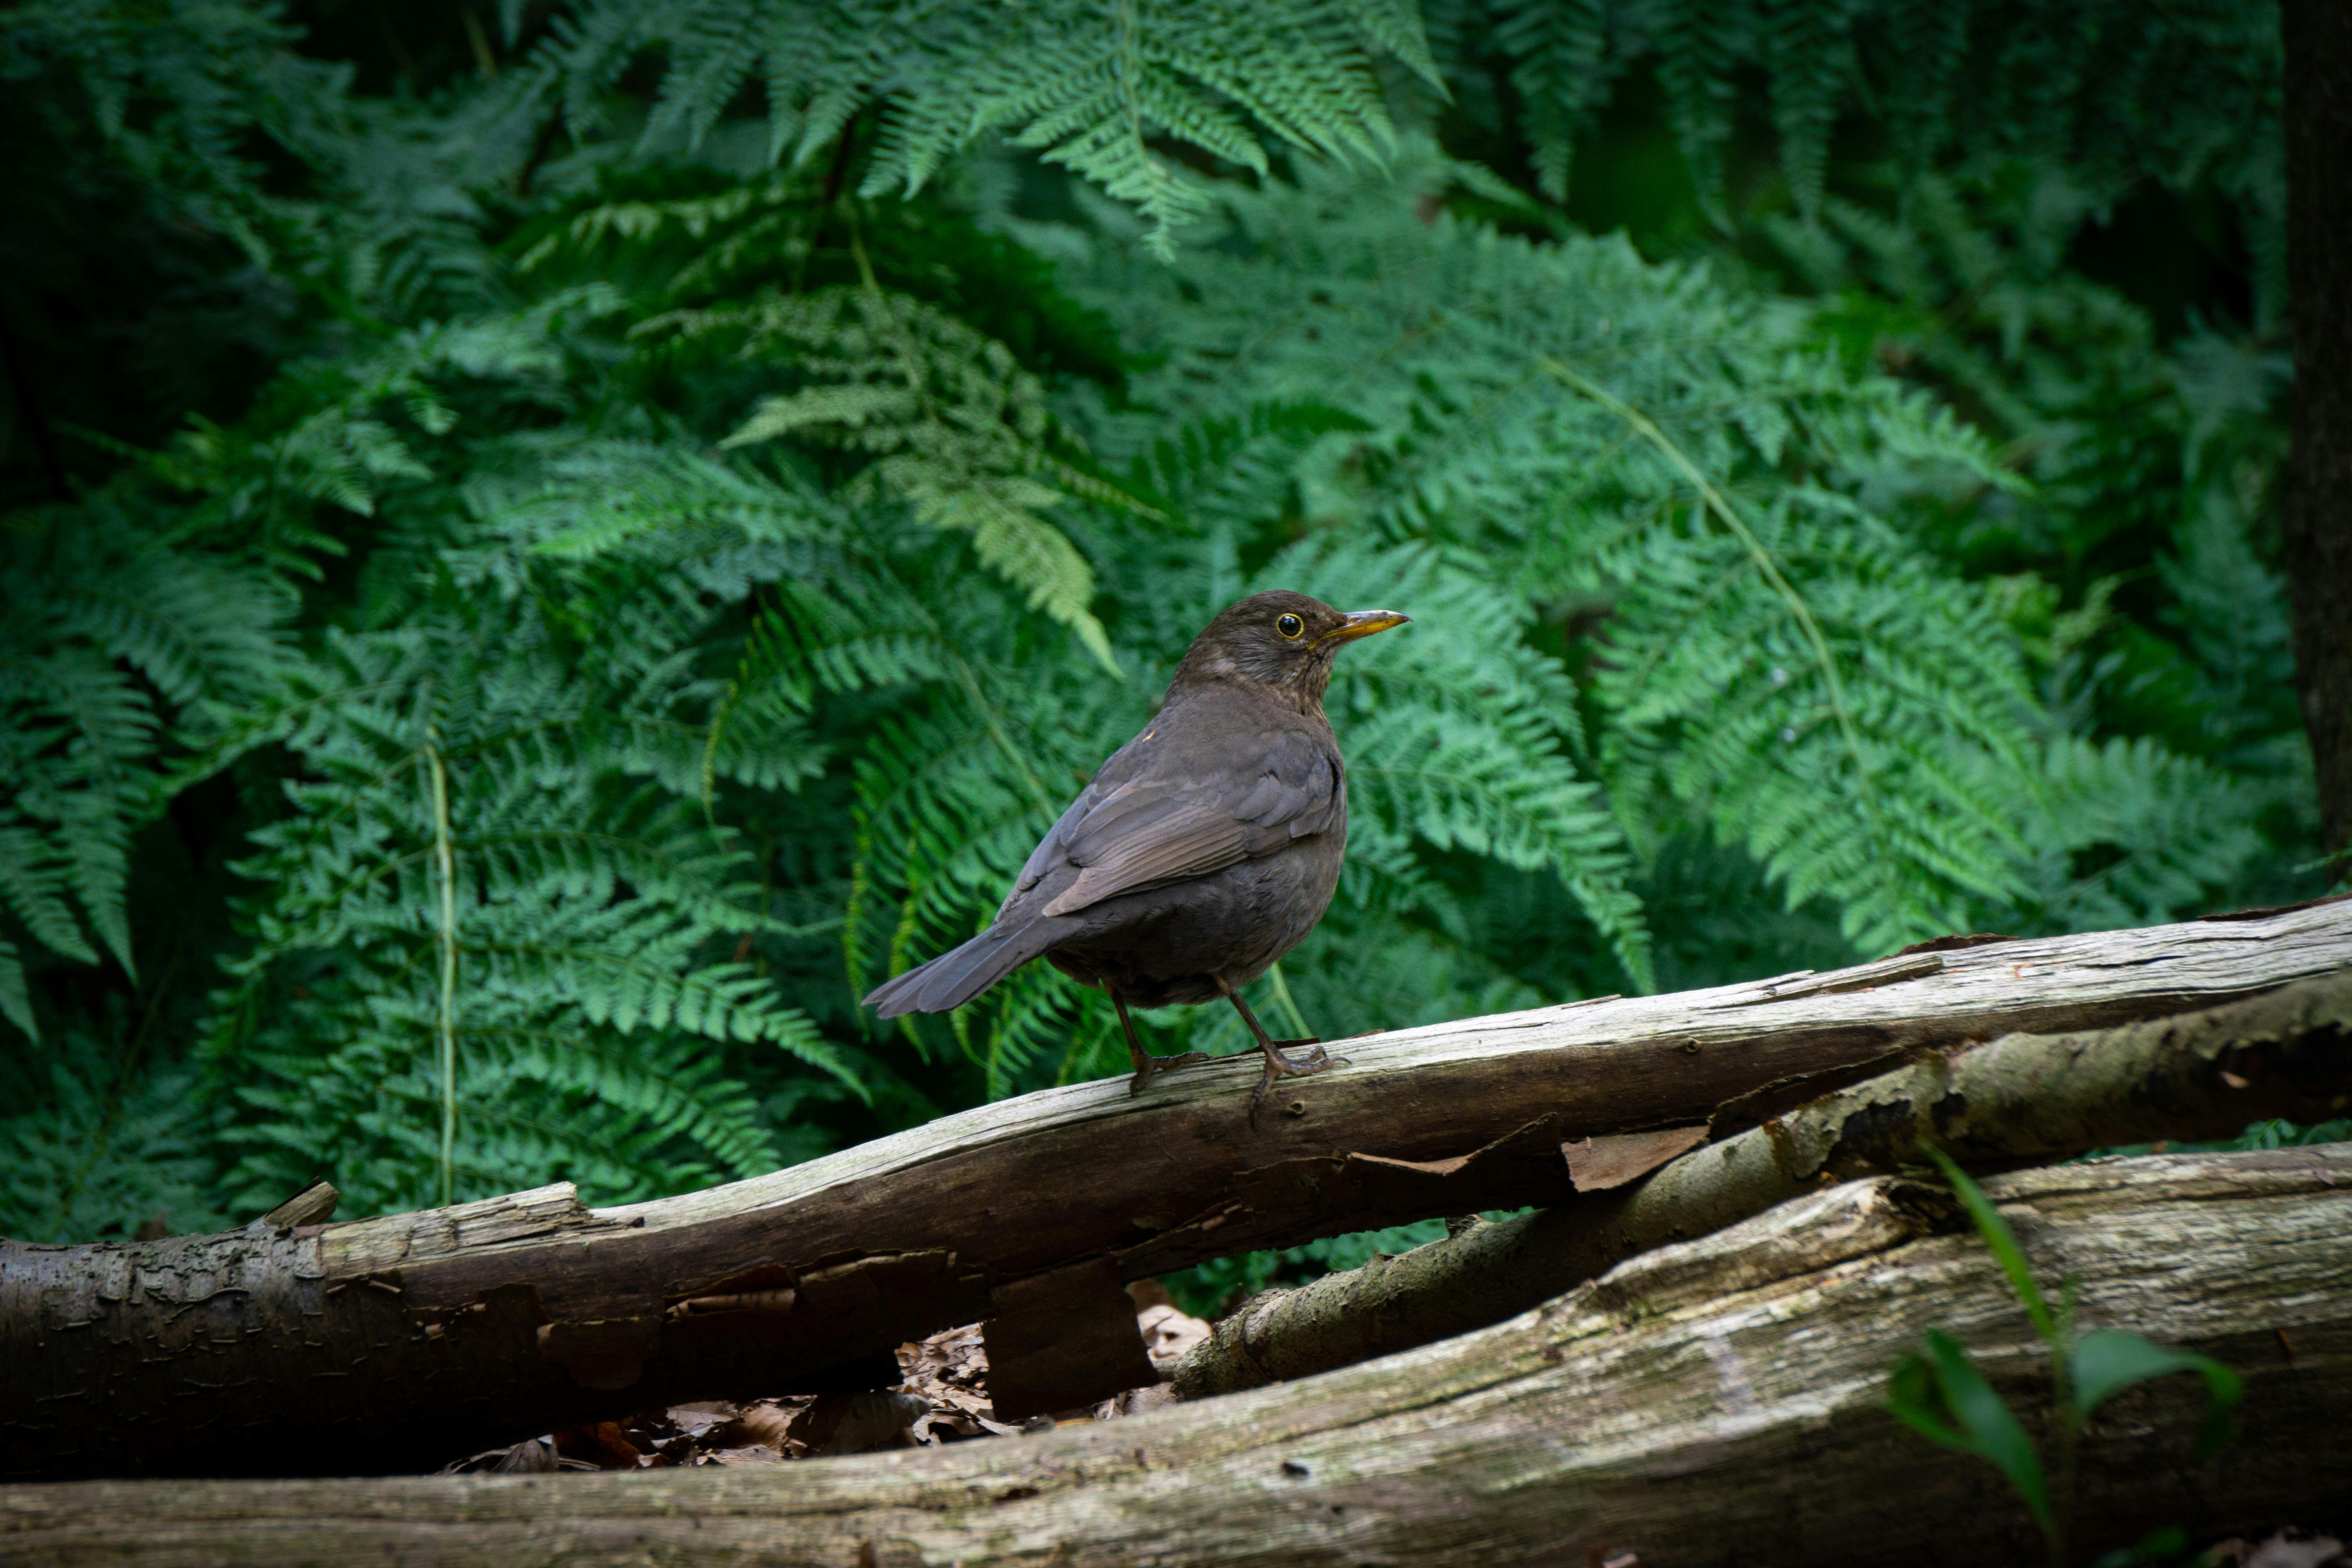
1204	849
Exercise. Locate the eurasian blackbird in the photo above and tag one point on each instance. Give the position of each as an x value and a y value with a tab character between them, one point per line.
1204	849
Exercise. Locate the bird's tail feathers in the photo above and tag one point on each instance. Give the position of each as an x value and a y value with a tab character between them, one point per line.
954	978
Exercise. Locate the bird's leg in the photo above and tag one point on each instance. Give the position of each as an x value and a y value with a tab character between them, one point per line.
1313	1062
1145	1064
1276	1064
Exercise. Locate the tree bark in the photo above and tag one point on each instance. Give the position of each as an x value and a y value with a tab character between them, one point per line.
397	1344
1716	1401
2023	1097
2318	38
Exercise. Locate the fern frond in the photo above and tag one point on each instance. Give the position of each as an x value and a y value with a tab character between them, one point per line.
35	890
1699	47
92	1156
1086	82
957	429
15	1001
1809	52
2125	833
1561	68
584	908
92	750
591	499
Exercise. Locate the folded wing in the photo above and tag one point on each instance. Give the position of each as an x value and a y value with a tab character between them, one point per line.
1148	833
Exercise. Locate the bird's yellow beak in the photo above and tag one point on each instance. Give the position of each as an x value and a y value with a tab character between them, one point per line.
1361	623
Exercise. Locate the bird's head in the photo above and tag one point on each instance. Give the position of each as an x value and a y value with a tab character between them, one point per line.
1279	639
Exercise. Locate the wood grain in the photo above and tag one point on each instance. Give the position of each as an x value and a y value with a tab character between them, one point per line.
1720	1397
391	1343
2022	1099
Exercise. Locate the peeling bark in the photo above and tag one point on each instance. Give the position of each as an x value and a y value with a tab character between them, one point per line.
2023	1097
1715	1400
394	1343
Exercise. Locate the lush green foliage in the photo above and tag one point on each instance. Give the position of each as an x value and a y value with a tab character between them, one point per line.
2191	94
1089	85
618	569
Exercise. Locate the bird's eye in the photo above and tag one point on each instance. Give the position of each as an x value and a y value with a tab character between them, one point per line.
1289	625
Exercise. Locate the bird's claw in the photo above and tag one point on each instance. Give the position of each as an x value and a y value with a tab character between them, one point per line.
1278	1065
1148	1067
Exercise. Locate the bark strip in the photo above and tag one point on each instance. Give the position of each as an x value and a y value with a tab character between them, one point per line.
2022	1097
394	1343
1716	1397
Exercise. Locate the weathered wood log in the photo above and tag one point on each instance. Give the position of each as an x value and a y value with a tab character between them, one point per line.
1710	1402
392	1343
2023	1098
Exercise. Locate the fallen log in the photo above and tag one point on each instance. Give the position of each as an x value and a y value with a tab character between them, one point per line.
1713	1401
394	1343
2020	1099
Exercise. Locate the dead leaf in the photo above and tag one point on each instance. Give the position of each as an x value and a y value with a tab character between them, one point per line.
694	1420
1168	1332
1599	1164
2298	1549
600	1444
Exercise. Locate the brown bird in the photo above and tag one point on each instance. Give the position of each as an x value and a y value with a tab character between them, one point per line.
1204	849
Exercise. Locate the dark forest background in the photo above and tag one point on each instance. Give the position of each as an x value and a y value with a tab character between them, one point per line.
548	547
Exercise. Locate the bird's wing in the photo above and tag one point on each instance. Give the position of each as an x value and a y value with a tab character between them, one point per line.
1147	832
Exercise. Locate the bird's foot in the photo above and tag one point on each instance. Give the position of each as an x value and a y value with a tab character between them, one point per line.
1148	1067
1278	1065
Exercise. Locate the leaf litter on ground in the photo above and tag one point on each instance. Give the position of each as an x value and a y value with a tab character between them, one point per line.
941	1397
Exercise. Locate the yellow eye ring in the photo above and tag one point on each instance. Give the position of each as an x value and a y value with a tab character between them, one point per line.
1289	625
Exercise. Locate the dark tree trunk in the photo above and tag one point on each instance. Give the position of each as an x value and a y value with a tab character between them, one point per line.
2318	36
